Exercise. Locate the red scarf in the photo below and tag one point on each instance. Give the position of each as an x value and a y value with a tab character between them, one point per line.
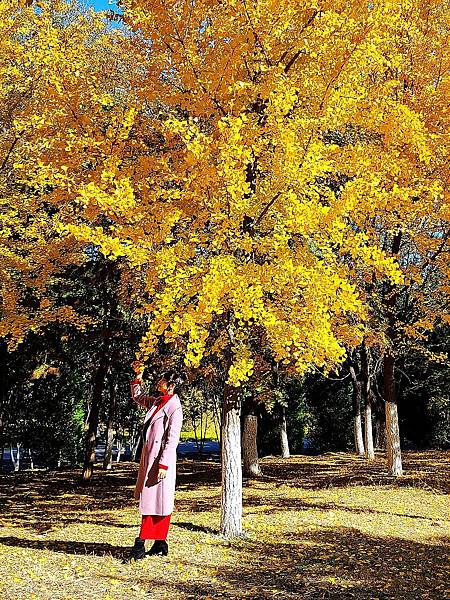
161	402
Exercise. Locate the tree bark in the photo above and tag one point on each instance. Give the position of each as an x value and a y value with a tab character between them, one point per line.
285	452
380	432
30	454
217	419
357	423
119	445
135	443
107	459
15	461
368	435
231	509
92	423
394	454
250	446
368	397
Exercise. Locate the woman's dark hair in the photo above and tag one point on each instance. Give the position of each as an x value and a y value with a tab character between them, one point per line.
175	378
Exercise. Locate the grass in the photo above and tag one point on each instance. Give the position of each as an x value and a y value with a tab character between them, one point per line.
332	526
188	436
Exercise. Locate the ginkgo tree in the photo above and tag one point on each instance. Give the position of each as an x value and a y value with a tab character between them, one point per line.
29	249
231	218
219	177
62	78
61	67
407	178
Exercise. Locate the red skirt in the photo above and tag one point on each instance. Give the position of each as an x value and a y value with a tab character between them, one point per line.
154	527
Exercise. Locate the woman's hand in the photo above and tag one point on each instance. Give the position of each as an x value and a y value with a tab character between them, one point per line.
138	367
162	473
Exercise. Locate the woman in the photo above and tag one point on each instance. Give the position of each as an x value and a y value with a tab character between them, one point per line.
155	486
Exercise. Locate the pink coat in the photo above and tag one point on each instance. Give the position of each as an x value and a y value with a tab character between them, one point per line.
160	447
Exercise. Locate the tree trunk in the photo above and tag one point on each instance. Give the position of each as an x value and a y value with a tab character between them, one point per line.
368	435
357	423
195	430
119	444
217	419
203	429
368	396
135	444
107	459
231	513
394	455
379	419
285	452
15	461
92	423
250	446
380	434
2	443
30	454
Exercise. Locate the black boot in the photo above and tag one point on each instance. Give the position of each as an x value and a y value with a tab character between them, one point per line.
159	548
137	552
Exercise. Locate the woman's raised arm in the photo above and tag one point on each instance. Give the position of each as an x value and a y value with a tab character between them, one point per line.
139	396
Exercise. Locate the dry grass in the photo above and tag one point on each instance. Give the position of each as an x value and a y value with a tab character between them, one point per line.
318	527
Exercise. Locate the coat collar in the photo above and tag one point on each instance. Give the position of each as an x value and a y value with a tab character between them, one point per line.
167	409
170	404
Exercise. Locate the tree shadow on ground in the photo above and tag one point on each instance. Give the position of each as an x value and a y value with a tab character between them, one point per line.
331	506
334	563
198	528
67	547
34	499
429	470
280	504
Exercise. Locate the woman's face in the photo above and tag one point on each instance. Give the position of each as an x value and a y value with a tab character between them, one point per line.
164	387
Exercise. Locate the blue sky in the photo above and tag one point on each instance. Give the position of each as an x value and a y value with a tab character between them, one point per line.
102	4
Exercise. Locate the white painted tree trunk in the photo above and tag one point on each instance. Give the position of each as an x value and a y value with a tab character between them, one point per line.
30	454
231	502
15	459
368	433
358	434
366	366
357	423
285	452
119	445
107	459
250	446
135	447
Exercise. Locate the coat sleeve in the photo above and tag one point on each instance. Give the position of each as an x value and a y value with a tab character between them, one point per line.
172	438
139	396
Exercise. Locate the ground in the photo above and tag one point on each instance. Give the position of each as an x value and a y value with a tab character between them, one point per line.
331	526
